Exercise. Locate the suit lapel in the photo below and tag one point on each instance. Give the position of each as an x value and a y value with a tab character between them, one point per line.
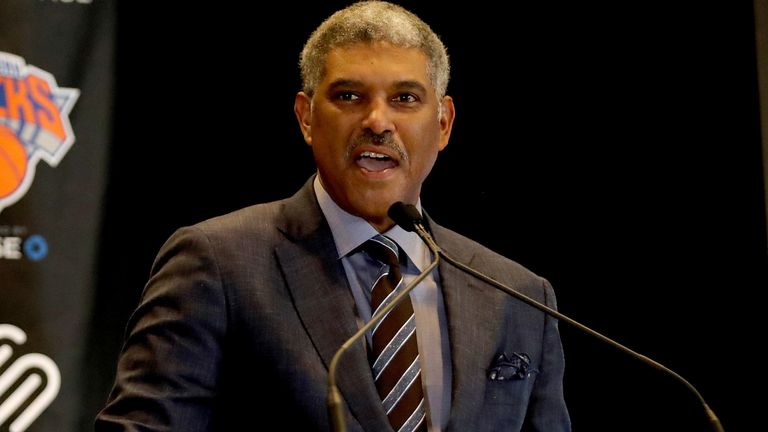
323	300
473	341
320	290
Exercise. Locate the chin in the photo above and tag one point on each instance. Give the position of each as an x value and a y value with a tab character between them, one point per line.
373	203
374	208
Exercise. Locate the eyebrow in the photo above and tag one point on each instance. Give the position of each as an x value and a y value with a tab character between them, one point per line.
411	85
399	85
344	83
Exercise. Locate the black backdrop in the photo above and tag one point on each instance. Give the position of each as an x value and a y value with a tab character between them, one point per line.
614	150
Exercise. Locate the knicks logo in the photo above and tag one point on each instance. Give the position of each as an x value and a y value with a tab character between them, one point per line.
33	380
34	124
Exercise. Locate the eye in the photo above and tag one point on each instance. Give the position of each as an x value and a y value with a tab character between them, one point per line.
405	98
347	96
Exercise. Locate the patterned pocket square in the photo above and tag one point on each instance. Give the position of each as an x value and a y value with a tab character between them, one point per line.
505	368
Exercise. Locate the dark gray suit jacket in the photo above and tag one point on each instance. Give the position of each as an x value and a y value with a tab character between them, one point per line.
243	313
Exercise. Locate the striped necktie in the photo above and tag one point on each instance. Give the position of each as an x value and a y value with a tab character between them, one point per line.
394	351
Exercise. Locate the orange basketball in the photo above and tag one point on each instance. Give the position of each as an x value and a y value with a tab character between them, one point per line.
13	162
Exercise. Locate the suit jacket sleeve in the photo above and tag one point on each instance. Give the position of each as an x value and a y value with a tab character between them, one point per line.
483	324
547	410
167	371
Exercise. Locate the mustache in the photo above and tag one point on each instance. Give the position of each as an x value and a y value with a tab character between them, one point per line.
384	139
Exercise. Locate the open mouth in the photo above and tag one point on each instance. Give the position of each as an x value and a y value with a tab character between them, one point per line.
376	162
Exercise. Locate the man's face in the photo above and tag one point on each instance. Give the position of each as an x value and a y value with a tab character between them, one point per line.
374	127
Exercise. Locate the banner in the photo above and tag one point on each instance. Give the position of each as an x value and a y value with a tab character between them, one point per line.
56	90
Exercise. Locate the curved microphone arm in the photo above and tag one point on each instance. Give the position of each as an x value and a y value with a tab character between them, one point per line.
411	218
334	396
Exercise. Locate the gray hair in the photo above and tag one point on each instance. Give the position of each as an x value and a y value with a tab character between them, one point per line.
373	21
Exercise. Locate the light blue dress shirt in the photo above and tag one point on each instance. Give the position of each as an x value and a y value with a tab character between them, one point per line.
349	232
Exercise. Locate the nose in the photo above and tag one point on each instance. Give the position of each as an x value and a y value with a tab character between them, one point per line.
378	119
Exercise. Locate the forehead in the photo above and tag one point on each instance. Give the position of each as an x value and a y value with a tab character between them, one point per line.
376	61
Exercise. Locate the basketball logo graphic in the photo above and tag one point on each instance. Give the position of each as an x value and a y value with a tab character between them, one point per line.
34	124
13	162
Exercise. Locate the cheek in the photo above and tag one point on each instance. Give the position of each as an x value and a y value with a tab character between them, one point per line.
425	144
330	149
428	159
422	159
329	126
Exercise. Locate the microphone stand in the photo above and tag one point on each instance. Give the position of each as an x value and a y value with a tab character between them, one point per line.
333	400
437	251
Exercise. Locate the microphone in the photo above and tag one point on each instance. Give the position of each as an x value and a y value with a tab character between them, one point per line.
333	397
409	218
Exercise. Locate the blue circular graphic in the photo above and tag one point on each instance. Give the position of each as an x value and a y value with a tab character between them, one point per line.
35	247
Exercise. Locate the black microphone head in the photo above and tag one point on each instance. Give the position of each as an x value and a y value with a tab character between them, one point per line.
405	215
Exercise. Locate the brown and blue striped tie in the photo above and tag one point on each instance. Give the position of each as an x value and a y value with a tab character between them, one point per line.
394	352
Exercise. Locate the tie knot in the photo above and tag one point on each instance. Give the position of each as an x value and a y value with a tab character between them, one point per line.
383	249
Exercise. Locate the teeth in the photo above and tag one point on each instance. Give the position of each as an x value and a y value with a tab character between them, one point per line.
370	154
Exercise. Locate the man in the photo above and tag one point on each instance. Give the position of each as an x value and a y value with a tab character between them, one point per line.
243	313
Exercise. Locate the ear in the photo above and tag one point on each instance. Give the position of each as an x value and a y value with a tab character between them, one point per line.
302	107
447	114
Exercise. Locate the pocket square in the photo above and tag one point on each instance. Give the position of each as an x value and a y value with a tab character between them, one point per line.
504	367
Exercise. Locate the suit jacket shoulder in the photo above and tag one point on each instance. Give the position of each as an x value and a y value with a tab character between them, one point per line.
489	262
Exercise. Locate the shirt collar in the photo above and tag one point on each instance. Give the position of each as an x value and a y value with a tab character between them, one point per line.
350	231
